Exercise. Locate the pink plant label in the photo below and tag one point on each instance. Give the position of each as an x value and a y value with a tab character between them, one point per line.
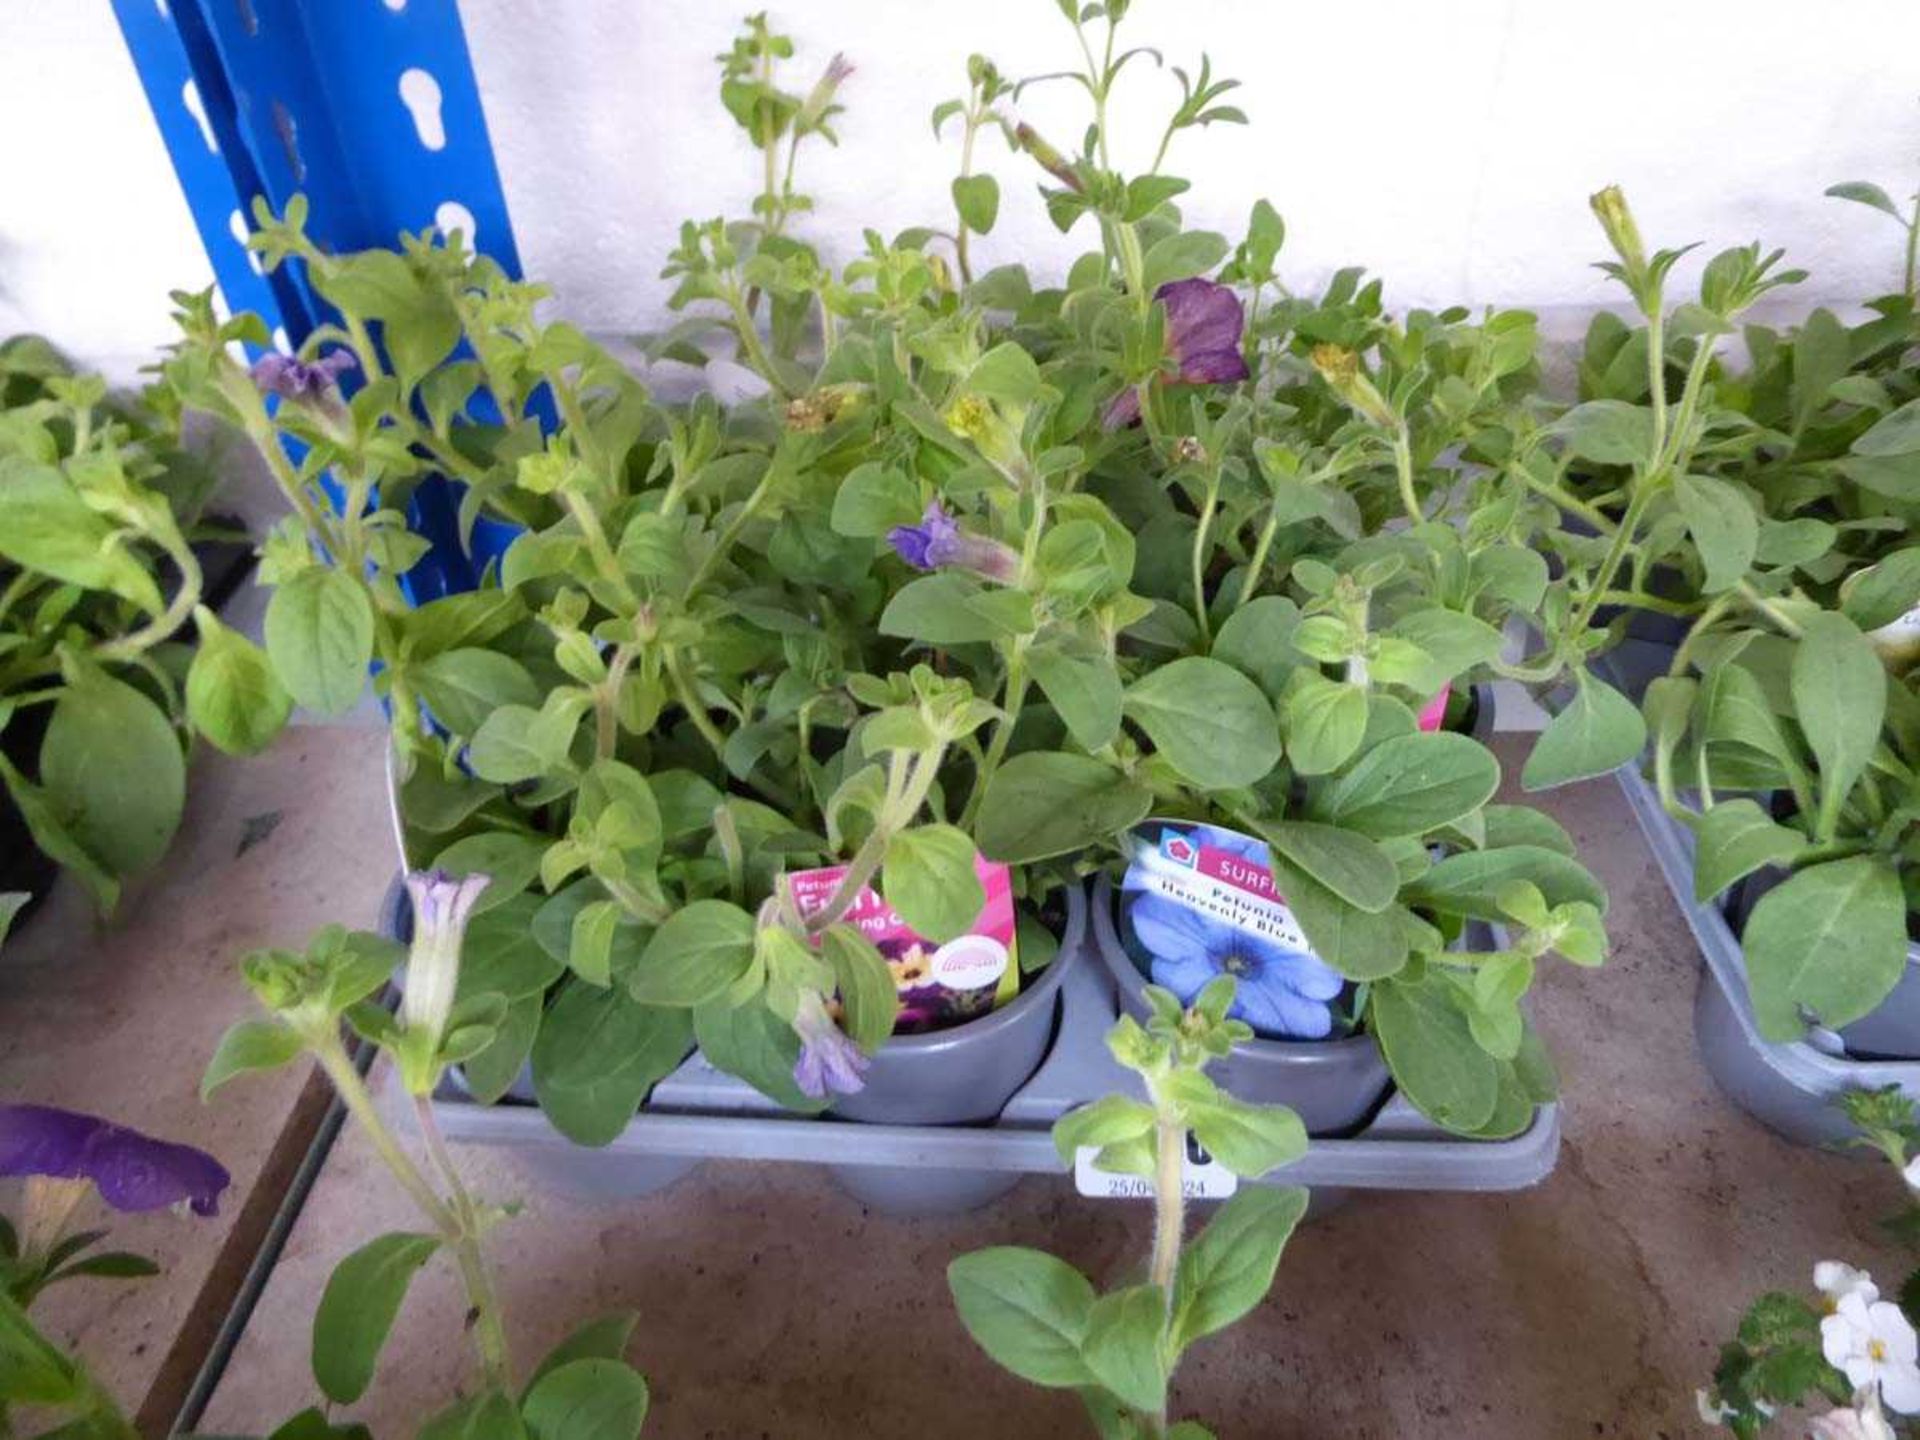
939	985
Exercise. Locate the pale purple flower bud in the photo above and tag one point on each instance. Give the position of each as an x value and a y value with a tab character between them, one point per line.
830	1063
441	905
938	543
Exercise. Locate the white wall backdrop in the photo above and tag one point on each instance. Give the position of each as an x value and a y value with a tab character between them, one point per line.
1448	146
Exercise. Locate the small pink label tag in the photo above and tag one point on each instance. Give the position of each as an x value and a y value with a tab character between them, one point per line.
939	985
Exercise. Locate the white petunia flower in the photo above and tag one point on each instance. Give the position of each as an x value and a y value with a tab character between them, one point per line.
1867	1424
1874	1345
1836	1280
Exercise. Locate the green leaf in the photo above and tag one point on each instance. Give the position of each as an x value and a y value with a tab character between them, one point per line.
1433	1055
1325	721
590	1399
1734	839
1047	803
111	769
511	861
869	998
45	526
1211	722
1227	1270
319	631
597	1055
1413	784
1257	640
1360	944
1181	255
1122	1345
753	1043
418	323
486	1416
605	1338
503	956
463	687
233	696
934	609
977	198
1006	372
1831	939
1865	192
1347	863
1470	883
928	876
873	499
1524	825
1822	355
1248	1139
249	1045
701	950
491	1072
1027	1310
1107	1121
1454	644
1084	691
1882	593
1840	700
1609	432
32	1370
1725	529
1599	731
590	943
312	1424
357	1309
1894	434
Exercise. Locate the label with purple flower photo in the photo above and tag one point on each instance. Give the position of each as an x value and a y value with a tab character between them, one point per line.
939	985
1198	901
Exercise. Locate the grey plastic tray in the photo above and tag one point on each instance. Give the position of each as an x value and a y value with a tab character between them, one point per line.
1791	1088
699	1113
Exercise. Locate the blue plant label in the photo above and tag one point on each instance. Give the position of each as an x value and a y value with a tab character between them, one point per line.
1199	901
1201	1177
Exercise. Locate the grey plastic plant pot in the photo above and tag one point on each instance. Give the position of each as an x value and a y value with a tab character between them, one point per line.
965	1074
1792	1088
1333	1085
699	1113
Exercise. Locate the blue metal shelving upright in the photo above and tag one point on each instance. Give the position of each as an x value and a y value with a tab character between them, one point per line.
367	107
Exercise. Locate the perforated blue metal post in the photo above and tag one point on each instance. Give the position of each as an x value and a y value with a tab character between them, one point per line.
368	107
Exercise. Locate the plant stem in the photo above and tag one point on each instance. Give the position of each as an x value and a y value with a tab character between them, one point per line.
1403	472
138	642
749	508
489	1330
606	704
1257	562
903	803
353	1093
1913	249
1002	732
966	172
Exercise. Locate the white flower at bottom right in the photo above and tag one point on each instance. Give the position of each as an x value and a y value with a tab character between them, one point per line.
1874	1346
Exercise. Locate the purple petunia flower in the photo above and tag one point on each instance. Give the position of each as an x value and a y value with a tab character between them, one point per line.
130	1170
829	1063
938	543
1204	321
295	379
1283	993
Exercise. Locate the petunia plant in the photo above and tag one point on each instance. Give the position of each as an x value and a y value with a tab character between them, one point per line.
1853	1349
102	688
64	1160
308	995
1044	1321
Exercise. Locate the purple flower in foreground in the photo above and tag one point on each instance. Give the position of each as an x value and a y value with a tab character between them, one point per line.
829	1063
938	543
1204	321
130	1170
294	379
1283	993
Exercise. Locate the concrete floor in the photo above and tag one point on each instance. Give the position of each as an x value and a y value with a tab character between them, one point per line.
773	1305
119	1020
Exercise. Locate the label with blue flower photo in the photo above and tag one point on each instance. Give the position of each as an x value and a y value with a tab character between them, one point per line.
1198	901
